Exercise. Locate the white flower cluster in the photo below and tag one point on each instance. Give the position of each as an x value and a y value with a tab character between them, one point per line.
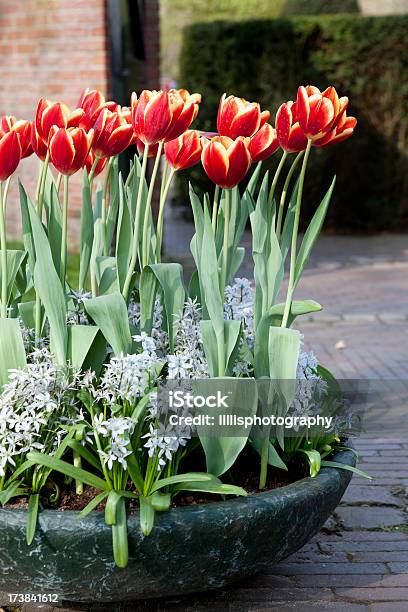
130	377
188	360
239	305
163	441
116	433
310	387
32	405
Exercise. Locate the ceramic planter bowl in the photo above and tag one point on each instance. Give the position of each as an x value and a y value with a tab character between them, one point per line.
191	548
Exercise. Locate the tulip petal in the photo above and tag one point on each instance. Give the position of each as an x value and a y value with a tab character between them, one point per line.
302	107
10	154
62	150
246	122
239	163
321	115
215	162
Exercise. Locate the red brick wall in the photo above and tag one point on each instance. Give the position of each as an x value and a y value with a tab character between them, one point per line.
55	48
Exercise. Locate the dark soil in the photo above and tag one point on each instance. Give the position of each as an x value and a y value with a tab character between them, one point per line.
244	473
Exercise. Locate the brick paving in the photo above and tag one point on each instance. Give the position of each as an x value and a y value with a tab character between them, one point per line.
359	561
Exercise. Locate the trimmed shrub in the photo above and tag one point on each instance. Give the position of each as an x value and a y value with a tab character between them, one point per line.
318	7
365	57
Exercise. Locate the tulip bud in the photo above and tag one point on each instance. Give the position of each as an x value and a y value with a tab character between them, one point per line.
69	148
23	129
185	151
93	102
318	112
237	117
10	153
264	143
226	161
113	134
163	115
288	131
55	113
90	160
38	145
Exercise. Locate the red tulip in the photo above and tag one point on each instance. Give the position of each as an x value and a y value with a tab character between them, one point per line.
184	109
23	129
55	113
38	145
184	151
237	117
69	148
113	134
10	153
226	161
289	133
93	102
163	115
343	130
264	143
318	112
89	162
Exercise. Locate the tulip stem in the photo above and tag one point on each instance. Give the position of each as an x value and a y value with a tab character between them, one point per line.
276	177
164	178
41	190
104	194
92	171
147	212
215	209
224	265
63	268
58	183
5	192
291	285
39	200
160	218
284	193
3	248
135	238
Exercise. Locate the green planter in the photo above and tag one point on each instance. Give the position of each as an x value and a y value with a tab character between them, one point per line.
190	549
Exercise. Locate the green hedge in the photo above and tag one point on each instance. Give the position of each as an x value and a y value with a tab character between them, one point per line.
365	58
318	7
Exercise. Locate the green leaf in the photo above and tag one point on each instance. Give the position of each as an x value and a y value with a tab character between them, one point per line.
86	231
15	260
344	466
94	503
223	444
32	517
48	286
273	318
147	292
111	507
110	314
123	236
113	203
12	490
274	458
106	274
134	473
26	226
314	460
312	233
85	453
147	513
171	480
54	222
160	501
120	536
81	339
214	486
12	352
26	310
66	468
170	278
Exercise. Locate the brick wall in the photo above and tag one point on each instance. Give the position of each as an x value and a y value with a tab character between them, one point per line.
55	48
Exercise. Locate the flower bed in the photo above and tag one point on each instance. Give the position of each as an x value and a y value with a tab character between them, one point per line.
90	373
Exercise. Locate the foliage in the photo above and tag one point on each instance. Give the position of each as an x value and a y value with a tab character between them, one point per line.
264	60
318	7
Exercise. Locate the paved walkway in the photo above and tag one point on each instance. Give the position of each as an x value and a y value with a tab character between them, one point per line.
359	561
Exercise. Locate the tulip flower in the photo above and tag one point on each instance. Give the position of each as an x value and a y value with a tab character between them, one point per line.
90	160
38	145
264	143
10	153
55	113
69	148
288	131
184	151
163	115
23	129
226	161
319	112
237	117
343	130
93	102
113	133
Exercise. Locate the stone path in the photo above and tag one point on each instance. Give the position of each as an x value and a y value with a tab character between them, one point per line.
359	561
